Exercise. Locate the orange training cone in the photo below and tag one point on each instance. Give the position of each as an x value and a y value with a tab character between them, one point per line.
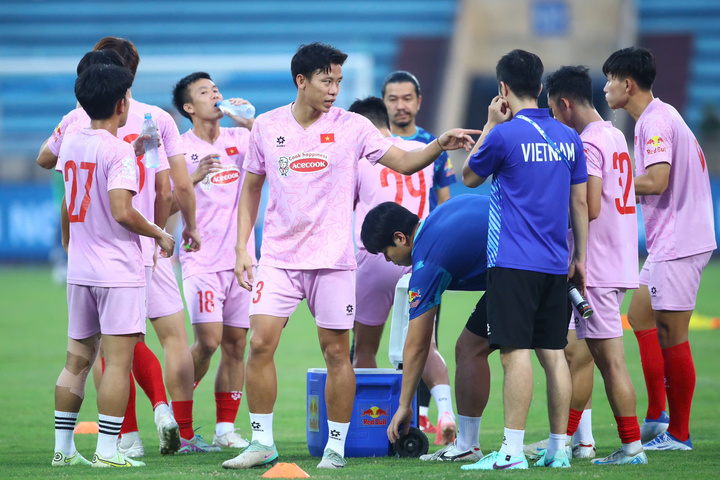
87	427
286	470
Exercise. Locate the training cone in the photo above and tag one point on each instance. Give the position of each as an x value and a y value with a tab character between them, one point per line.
286	470
87	427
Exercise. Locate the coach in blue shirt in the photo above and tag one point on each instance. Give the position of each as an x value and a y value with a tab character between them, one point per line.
539	175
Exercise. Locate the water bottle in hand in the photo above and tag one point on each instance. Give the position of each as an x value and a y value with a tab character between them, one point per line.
245	110
152	158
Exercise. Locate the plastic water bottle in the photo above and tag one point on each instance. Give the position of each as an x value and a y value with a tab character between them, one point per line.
152	159
245	110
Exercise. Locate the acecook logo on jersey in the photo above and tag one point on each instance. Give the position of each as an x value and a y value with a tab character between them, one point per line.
308	162
230	174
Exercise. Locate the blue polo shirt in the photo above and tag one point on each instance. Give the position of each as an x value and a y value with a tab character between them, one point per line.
443	174
530	192
449	252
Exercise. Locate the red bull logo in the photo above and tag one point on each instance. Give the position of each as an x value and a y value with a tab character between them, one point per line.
375	414
654	145
414	297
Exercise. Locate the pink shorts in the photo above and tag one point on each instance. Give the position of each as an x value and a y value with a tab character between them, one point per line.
375	287
673	284
106	310
163	292
217	298
605	322
330	294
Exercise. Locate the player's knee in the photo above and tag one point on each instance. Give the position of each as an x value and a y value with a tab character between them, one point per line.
75	382
335	355
262	345
234	348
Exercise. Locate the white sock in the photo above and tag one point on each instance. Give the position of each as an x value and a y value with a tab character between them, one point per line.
161	411
262	427
64	432
555	442
337	433
468	432
221	428
512	442
632	448
127	439
443	399
108	435
584	433
423	411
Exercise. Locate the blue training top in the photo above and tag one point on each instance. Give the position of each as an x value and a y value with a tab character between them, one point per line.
530	191
449	252
443	174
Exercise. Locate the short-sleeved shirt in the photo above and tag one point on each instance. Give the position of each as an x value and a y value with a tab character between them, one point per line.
679	222
102	253
144	201
443	172
615	229
311	185
449	252
217	198
530	191
377	184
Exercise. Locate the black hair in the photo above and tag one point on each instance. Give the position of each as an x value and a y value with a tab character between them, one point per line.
372	108
181	91
99	57
521	71
632	62
401	76
99	88
313	58
570	82
382	222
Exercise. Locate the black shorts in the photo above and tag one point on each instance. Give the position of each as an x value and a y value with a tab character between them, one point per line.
527	309
477	323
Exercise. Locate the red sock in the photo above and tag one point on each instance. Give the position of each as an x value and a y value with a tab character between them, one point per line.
227	404
183	416
573	421
680	374
148	373
651	357
628	429
130	422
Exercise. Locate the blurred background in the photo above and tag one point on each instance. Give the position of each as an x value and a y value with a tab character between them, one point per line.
452	47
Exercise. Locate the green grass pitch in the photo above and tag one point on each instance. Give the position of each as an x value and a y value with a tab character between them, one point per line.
33	317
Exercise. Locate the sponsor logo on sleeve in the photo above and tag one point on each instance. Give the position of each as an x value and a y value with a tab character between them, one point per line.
655	145
414	297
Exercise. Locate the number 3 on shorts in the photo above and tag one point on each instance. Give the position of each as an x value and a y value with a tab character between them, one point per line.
258	290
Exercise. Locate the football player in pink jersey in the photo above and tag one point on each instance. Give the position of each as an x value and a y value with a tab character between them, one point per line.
672	183
218	306
612	227
106	278
165	307
376	278
309	152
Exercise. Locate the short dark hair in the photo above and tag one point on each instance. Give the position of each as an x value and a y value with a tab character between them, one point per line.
372	108
99	57
633	62
401	76
125	48
99	88
382	222
181	91
521	71
309	59
570	82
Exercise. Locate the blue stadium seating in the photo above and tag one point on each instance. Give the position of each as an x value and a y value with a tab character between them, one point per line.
31	105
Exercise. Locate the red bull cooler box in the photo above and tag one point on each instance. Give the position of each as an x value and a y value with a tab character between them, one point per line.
377	396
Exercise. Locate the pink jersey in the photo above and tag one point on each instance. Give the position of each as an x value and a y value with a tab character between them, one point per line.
102	253
217	201
311	178
377	184
612	252
171	143
678	223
